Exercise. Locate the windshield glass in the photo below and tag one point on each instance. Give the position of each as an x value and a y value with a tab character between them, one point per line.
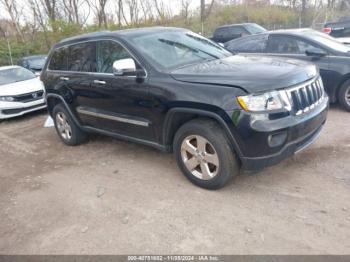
255	29
13	75
37	63
330	42
174	49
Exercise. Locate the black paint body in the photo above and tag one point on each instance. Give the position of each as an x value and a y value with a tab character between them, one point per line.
163	101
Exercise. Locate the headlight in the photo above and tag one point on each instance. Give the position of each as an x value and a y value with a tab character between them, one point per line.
7	98
266	102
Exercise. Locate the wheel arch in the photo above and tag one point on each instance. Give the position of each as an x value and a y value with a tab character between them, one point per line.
54	99
176	117
344	79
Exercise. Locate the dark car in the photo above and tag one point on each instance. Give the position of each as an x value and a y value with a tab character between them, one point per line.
34	63
226	33
178	91
340	29
332	57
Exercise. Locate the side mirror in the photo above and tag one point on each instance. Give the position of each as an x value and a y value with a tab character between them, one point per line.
315	52
124	66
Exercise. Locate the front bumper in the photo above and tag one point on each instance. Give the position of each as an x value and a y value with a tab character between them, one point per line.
13	109
293	133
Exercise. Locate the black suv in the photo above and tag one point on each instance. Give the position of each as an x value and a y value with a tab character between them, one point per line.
178	91
226	33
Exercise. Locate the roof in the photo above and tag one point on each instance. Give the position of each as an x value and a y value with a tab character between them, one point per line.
121	33
8	67
299	31
242	24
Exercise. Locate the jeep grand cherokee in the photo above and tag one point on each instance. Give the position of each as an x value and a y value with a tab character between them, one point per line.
178	91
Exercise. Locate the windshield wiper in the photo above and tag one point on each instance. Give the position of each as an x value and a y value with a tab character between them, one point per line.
196	50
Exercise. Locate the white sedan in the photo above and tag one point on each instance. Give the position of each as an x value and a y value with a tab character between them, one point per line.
21	92
344	40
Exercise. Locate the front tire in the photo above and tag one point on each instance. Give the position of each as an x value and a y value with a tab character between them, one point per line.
344	95
204	155
66	128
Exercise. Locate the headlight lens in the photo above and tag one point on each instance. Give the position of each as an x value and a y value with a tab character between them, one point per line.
7	98
266	102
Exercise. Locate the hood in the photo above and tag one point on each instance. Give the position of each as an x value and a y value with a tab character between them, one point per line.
251	73
22	87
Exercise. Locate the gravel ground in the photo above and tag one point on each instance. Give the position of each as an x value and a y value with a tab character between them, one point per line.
113	197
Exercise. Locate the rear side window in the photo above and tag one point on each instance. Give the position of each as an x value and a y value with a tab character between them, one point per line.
82	57
288	45
250	44
107	53
59	59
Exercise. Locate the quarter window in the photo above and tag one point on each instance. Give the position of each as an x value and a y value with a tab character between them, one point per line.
107	53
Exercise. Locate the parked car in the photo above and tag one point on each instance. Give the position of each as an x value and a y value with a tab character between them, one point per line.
34	63
226	33
21	92
177	91
339	29
332	57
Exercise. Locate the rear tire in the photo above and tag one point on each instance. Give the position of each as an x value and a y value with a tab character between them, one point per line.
344	95
204	155
66	128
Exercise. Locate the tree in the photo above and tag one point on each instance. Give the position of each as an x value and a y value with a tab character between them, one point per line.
15	13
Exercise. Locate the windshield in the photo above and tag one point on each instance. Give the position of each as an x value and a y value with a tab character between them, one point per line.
255	29
174	49
37	63
13	75
330	42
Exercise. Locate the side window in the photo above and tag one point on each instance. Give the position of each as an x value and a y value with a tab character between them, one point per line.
237	30
288	45
250	44
59	59
283	45
107	53
82	57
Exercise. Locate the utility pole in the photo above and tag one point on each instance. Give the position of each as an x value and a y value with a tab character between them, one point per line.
202	15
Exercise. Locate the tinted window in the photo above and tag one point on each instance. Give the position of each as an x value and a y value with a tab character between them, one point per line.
288	45
108	52
82	57
59	59
237	30
37	63
13	75
250	44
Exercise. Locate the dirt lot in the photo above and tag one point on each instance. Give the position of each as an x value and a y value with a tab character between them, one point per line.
113	197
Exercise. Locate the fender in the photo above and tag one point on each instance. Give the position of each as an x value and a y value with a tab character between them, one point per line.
217	117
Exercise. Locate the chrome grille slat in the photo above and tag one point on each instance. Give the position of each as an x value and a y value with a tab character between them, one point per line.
306	96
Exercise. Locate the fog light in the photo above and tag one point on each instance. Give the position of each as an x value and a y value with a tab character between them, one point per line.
277	139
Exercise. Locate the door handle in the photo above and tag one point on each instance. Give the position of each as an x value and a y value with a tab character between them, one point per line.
64	78
99	82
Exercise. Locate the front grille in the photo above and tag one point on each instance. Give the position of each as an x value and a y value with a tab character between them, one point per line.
307	96
29	97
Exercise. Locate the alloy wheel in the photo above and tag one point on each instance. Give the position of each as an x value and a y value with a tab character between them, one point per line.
347	95
200	157
63	126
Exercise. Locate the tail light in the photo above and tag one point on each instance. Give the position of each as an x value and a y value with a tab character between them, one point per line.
327	30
